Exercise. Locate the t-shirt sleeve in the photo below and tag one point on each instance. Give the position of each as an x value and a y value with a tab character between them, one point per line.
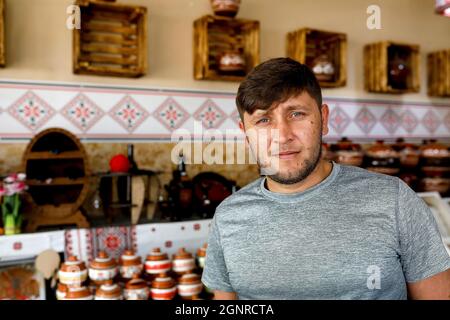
215	273
422	251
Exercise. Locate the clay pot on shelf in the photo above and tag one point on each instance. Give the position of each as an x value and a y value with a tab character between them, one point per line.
382	158
136	289
201	256
61	291
327	154
183	262
163	288
109	291
410	178
347	152
130	264
157	262
102	269
398	71
79	293
409	153
323	68
72	272
434	159
227	8
189	286
438	184
231	62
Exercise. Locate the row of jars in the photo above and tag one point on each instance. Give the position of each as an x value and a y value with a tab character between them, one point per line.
159	277
424	167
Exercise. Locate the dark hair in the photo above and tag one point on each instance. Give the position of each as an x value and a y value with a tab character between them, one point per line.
276	80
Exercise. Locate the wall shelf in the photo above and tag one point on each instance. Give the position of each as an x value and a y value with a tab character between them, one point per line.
214	35
320	50
391	67
439	73
112	40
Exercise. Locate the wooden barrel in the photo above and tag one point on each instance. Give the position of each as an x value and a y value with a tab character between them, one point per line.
57	171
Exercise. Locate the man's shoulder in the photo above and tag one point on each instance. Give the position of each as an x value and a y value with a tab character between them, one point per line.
356	174
241	197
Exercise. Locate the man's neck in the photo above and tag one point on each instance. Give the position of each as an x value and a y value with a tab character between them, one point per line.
322	170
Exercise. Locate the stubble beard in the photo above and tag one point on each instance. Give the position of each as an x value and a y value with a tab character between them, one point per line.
308	166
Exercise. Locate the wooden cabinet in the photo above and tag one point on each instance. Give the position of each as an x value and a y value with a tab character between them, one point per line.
112	40
439	73
391	67
324	52
214	35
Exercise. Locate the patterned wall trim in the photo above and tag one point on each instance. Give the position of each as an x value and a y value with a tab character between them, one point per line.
96	112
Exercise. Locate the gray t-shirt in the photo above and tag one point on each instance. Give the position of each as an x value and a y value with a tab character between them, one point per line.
355	235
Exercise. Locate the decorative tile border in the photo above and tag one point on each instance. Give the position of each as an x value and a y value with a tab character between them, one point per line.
95	112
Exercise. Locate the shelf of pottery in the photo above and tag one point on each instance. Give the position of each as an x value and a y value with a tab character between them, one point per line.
425	167
157	278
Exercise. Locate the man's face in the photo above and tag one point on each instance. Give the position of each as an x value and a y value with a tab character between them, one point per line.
288	137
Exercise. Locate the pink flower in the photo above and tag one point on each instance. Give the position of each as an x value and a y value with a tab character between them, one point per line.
19	186
10	179
10	189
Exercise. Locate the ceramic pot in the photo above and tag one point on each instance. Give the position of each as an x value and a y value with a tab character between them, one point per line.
79	293
183	262
327	154
231	61
409	153
398	71
410	178
163	289
382	158
323	68
102	269
435	155
438	184
228	8
130	264
201	256
157	262
136	289
348	153
73	272
61	291
109	291
189	286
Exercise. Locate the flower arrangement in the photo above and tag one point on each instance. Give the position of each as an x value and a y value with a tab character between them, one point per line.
10	190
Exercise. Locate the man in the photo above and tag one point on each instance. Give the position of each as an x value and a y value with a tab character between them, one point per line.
313	229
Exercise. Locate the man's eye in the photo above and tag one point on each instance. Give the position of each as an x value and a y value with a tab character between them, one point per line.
262	121
297	114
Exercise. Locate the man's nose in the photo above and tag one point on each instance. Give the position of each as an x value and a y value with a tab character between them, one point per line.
283	132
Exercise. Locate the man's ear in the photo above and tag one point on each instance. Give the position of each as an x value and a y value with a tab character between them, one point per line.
325	116
242	127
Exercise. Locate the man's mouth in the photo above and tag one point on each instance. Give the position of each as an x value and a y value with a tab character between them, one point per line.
286	155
